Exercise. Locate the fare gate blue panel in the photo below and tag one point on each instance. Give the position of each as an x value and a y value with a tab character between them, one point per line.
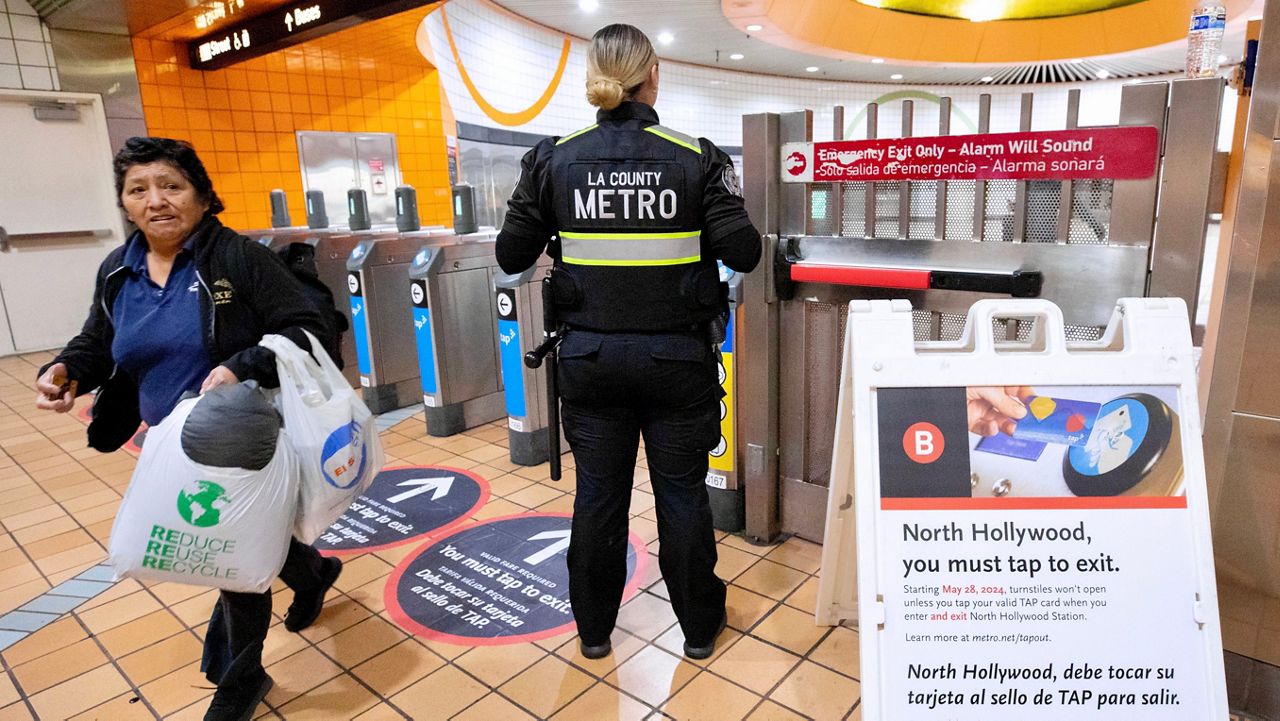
360	327
359	318
426	349
512	367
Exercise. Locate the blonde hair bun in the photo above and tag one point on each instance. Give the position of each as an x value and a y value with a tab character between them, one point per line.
618	62
605	93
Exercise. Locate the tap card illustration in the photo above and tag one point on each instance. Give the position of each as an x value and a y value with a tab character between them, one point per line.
1057	420
1003	445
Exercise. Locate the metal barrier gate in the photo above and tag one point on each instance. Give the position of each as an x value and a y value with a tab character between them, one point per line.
1085	243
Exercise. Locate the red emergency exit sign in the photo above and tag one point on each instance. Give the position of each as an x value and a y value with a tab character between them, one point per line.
1122	153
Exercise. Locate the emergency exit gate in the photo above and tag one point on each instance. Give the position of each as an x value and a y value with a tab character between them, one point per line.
1090	241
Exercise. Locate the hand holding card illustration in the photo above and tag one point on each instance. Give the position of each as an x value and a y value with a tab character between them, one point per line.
992	409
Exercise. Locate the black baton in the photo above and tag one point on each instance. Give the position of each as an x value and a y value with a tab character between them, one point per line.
534	358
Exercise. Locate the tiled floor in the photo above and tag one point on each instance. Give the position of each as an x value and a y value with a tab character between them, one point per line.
131	651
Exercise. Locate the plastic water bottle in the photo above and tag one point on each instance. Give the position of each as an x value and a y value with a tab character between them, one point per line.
1204	39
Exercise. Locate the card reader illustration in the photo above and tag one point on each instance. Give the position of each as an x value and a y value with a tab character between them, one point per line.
1127	445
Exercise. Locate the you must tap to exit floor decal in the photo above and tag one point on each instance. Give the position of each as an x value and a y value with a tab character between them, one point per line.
497	582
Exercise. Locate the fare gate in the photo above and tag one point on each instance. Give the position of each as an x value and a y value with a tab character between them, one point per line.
454	328
520	326
333	246
944	239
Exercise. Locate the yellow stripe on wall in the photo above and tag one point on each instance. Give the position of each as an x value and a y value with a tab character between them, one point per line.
496	115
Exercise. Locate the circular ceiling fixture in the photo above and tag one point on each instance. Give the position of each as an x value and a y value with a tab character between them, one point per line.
988	10
737	56
985	33
754	28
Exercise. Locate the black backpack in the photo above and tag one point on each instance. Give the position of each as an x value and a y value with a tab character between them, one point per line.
301	259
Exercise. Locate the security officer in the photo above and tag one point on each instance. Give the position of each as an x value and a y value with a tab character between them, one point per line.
640	213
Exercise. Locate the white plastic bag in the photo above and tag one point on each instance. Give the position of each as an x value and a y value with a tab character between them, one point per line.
332	431
187	522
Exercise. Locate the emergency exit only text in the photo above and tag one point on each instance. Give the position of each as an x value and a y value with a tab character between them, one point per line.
1119	153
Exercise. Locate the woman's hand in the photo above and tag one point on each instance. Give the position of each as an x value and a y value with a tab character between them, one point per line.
221	375
992	409
56	393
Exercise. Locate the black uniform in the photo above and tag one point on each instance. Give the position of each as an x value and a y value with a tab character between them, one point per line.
640	213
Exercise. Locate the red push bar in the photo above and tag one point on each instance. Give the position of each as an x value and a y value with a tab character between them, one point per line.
1018	283
910	279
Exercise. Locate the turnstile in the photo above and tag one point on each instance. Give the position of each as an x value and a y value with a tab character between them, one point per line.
332	248
520	326
382	316
454	320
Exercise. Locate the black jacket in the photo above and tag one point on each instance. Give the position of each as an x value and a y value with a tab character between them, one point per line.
644	259
246	293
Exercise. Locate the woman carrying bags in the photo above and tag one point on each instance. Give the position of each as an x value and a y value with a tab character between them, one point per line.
179	308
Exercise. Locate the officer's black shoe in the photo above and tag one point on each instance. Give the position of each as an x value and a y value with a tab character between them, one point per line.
306	607
699	653
597	651
237	702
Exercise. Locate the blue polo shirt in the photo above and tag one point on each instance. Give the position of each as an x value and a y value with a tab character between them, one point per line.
158	335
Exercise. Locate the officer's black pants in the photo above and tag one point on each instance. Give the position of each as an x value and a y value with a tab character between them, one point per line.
617	388
238	626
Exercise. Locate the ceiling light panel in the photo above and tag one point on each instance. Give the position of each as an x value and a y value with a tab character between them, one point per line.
987	10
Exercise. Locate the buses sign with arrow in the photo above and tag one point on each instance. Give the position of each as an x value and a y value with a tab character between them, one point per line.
284	26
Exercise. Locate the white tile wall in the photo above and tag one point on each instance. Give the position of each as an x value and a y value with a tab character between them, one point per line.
511	62
26	55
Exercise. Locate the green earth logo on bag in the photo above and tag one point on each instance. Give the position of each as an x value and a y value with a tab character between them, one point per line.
201	503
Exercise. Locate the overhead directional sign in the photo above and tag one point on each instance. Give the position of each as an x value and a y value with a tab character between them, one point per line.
403	504
287	25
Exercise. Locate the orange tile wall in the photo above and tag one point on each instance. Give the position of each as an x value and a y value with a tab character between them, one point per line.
242	119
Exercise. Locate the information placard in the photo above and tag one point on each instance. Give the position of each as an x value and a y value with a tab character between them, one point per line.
1032	533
